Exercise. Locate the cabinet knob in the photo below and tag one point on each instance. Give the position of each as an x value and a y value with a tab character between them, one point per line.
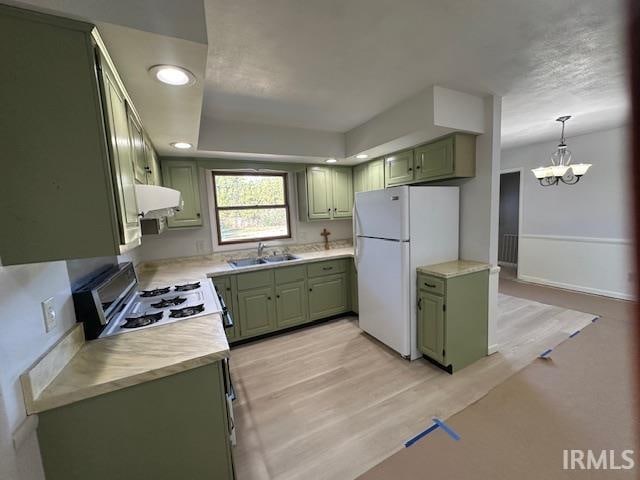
417	167
329	210
268	298
410	169
277	296
198	214
335	209
311	289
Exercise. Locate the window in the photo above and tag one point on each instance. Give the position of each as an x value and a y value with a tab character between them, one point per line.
251	206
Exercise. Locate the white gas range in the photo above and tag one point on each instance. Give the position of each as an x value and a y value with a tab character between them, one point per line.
112	304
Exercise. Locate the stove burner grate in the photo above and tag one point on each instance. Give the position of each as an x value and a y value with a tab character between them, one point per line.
186	311
142	320
168	302
155	292
187	286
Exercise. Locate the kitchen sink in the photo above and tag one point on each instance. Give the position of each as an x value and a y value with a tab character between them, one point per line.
280	258
246	262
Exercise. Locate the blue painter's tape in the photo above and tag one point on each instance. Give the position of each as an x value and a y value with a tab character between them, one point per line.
408	443
545	353
574	334
447	429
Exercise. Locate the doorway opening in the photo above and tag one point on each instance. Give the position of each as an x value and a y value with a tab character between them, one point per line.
509	223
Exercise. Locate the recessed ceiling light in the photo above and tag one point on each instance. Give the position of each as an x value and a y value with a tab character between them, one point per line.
181	145
362	155
172	75
331	160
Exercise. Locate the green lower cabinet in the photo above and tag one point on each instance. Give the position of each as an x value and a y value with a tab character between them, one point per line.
431	325
257	311
272	299
291	304
327	296
172	427
453	318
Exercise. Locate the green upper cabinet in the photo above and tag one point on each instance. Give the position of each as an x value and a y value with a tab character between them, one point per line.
319	193
361	178
324	193
137	149
453	156
89	152
342	192
122	155
399	168
152	166
368	176
376	174
434	160
182	175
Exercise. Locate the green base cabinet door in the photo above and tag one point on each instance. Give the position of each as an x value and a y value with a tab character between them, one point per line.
291	304
399	168
327	296
183	175
431	325
257	311
453	318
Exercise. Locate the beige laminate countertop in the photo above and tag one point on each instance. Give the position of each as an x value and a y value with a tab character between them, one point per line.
75	370
163	273
454	268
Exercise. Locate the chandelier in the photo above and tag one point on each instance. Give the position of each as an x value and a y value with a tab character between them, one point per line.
561	169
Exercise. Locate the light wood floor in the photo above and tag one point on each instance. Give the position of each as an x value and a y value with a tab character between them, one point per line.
330	402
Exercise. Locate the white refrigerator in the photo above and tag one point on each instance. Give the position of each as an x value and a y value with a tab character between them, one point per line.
397	230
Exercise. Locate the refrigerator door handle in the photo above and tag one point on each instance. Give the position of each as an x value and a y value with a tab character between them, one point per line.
355	237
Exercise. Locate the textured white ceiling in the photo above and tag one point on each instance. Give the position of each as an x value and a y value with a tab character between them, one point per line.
333	64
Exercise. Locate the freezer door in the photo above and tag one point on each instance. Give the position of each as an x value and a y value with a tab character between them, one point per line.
384	292
383	213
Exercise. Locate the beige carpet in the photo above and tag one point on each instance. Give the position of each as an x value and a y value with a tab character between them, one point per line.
329	402
580	398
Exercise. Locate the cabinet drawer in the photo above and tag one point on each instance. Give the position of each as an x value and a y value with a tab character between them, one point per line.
261	278
327	268
431	284
290	274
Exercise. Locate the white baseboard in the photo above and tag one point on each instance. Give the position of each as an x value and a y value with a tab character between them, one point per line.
492	349
575	288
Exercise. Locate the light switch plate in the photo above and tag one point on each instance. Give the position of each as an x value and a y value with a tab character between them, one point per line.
49	313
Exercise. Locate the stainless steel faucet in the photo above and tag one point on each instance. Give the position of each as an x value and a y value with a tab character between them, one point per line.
260	248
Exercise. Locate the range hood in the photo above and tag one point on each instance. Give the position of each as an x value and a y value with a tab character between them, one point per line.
157	202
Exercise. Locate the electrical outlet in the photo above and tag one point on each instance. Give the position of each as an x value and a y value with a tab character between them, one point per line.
49	313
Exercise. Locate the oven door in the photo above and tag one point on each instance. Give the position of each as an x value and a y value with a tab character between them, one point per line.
230	396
